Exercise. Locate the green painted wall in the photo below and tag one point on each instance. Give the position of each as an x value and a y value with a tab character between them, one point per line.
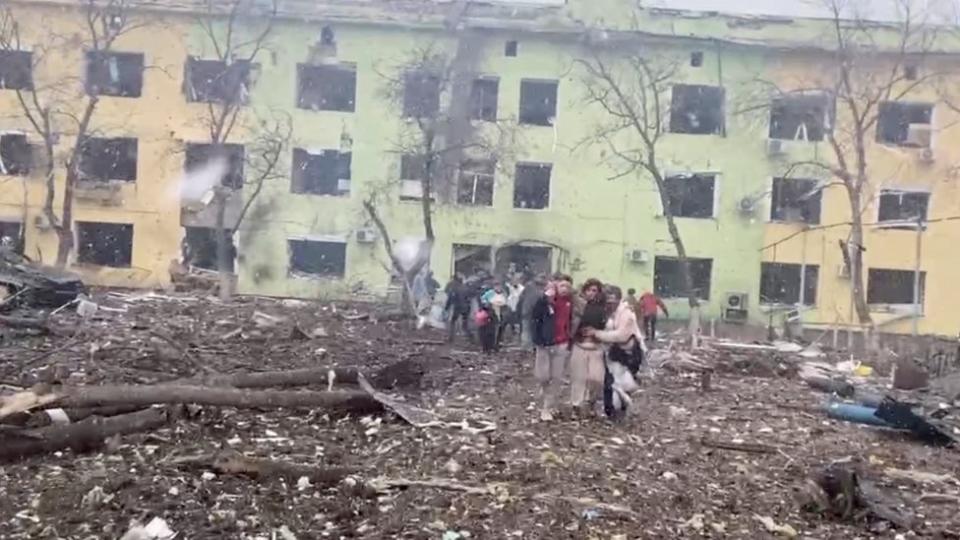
595	219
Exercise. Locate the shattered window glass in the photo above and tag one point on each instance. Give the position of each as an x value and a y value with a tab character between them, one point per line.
905	124
421	94
114	74
327	87
200	154
697	109
483	99
691	196
531	189
796	200
317	258
668	282
16	155
323	173
216	81
780	283
109	159
475	187
538	102
801	117
105	244
885	286
16	70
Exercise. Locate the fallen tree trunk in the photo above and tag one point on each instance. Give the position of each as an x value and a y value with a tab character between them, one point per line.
82	436
25	323
357	402
265	469
49	417
296	377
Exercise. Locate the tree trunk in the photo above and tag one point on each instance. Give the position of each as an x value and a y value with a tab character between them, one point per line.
65	230
685	278
296	377
82	436
856	249
92	396
224	260
266	469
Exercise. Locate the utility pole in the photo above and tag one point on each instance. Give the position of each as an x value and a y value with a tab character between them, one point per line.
916	277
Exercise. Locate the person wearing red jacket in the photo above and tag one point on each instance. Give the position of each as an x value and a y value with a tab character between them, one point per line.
648	306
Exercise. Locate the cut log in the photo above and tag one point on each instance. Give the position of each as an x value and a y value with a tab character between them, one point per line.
356	402
265	469
82	436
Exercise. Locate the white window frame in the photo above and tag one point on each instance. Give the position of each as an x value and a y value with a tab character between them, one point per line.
901	224
493	193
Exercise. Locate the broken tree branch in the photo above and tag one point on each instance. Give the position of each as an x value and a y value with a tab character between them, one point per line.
739	447
82	436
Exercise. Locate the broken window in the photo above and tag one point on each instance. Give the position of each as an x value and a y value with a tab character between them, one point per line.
800	117
904	124
483	99
16	156
531	186
421	94
10	236
510	48
691	196
412	173
317	258
105	244
16	70
114	74
538	102
325	173
796	200
200	155
475	186
780	283
109	159
470	259
903	207
216	81
893	287
200	248
668	283
697	110
696	59
327	87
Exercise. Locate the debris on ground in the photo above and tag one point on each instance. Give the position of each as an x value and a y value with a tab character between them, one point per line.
208	417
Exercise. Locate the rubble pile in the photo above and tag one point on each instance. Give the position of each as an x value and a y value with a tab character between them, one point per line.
140	415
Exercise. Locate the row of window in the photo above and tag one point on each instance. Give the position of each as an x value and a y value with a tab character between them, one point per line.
111	244
694	109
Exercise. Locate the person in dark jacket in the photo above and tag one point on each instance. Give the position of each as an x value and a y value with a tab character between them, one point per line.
552	326
532	292
458	307
586	359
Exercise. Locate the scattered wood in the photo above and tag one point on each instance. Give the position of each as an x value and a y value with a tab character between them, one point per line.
357	402
70	416
435	342
752	448
25	323
80	437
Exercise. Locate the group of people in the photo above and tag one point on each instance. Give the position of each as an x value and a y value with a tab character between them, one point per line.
593	334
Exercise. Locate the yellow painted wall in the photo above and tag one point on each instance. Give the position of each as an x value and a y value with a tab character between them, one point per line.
890	167
156	119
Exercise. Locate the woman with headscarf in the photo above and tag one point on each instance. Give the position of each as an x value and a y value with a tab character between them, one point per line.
625	347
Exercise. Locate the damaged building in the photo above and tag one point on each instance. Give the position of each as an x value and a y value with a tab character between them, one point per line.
761	237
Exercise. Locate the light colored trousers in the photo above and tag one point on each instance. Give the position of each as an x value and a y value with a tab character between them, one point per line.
586	375
549	368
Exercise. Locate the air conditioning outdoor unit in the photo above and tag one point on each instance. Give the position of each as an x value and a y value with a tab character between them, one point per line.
843	271
919	135
926	156
747	205
411	189
41	222
366	236
735	307
639	256
776	147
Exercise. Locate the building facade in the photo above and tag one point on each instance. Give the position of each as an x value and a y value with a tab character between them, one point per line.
552	200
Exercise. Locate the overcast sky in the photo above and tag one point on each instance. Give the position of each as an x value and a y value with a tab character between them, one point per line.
875	9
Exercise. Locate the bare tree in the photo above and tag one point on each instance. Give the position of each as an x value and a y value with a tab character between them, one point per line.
633	89
441	133
238	32
864	68
50	107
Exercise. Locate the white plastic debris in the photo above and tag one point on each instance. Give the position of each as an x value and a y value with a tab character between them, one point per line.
86	308
303	483
285	533
207	475
156	529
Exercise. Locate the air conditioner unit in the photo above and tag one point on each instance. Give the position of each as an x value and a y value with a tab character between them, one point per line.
411	189
919	135
735	308
926	156
41	222
366	236
747	205
843	271
776	147
638	256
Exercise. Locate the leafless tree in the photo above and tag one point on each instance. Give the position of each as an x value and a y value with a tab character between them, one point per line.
440	133
631	83
238	32
864	66
50	107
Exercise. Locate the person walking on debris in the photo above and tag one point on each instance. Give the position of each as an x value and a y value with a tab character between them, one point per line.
494	300
650	305
551	322
458	307
586	358
625	346
511	317
532	292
